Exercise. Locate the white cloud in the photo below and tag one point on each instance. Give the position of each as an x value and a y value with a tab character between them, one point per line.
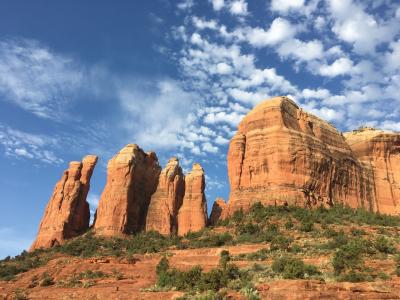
232	118
157	112
221	140
316	94
355	26
20	144
280	30
238	7
185	4
208	147
300	50
223	68
284	6
218	4
341	66
49	85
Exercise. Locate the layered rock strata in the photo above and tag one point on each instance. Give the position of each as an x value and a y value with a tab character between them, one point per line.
219	211
132	177
192	215
282	155
165	202
67	213
379	151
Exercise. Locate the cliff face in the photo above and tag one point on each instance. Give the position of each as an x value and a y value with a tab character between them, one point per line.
192	215
67	214
165	202
132	177
283	155
379	151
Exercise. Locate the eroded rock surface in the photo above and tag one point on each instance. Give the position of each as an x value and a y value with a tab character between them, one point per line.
282	155
132	177
219	212
192	215
67	214
165	202
379	151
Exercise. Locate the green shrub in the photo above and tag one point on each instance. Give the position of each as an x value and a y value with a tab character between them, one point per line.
46	280
397	265
238	216
162	266
355	276
289	224
384	245
280	243
307	225
292	268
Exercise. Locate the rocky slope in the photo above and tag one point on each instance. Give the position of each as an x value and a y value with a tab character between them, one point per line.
67	214
282	155
132	177
165	202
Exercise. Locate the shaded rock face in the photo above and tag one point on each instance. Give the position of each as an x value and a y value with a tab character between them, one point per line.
192	215
67	214
132	177
165	202
379	151
282	155
219	212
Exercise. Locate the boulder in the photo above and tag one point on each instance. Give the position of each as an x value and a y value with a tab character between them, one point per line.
165	202
67	214
282	155
132	177
192	215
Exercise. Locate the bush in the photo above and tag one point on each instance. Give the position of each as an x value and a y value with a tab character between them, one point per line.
355	276
46	280
349	257
383	245
307	225
292	268
280	243
289	224
397	265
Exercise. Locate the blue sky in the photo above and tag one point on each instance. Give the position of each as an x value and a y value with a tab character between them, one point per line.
175	77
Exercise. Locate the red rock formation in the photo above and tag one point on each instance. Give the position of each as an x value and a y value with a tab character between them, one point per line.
283	155
132	177
219	212
192	215
380	152
67	214
166	201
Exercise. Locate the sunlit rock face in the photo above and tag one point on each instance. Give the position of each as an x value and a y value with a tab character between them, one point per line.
132	177
162	215
192	215
283	155
67	213
379	151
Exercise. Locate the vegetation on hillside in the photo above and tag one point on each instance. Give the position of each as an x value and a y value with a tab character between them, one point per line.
351	239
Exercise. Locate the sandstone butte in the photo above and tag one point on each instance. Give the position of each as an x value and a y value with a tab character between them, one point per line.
192	215
132	177
165	202
282	155
379	151
67	213
218	212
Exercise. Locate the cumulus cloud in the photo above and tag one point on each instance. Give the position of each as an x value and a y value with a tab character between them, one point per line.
284	6
218	4
280	30
238	7
340	66
301	50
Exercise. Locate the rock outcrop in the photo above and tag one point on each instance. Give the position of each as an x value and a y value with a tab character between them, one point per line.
219	212
192	215
282	155
67	214
379	151
165	202
132	177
